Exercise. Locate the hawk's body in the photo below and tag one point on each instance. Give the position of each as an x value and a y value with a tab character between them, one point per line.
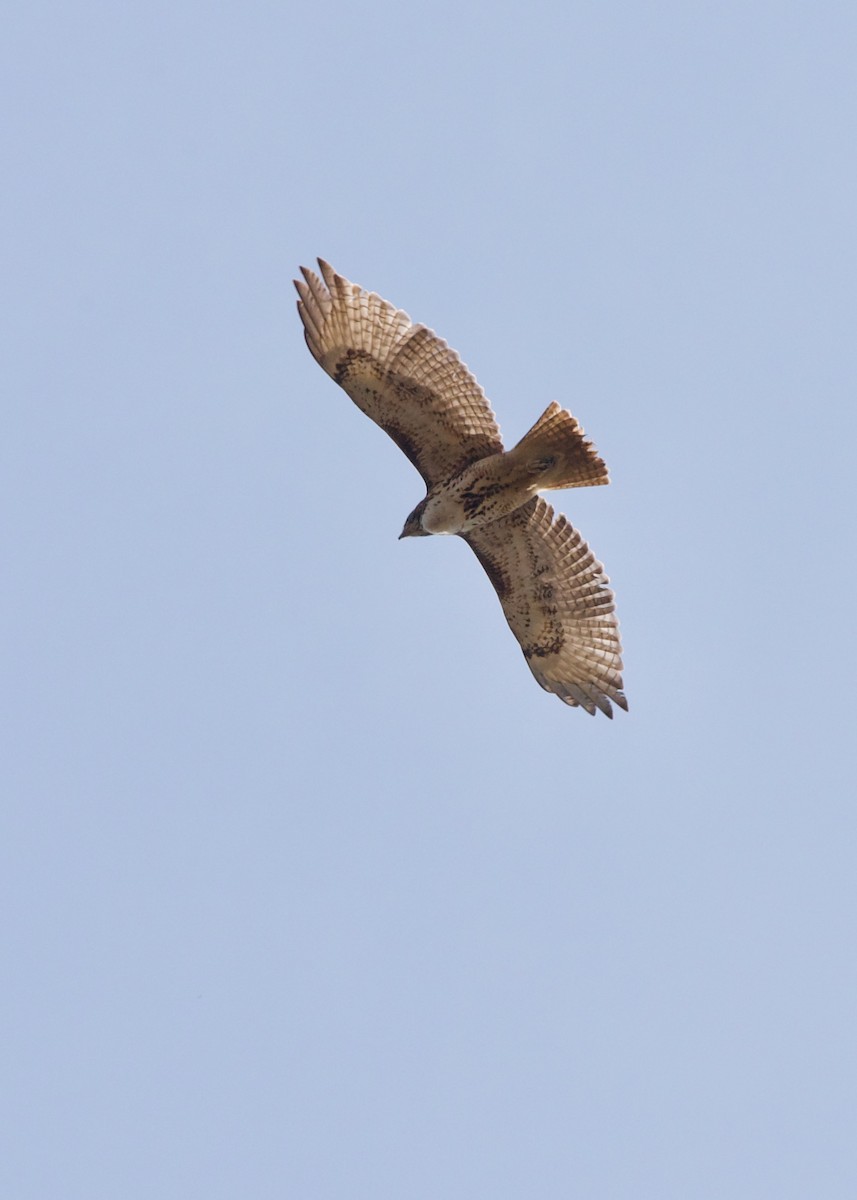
553	592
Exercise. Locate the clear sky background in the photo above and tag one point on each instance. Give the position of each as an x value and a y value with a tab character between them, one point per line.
308	889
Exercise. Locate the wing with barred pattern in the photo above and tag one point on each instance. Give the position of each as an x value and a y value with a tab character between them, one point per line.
402	375
557	601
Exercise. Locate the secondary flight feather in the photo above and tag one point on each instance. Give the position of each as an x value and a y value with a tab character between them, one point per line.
554	593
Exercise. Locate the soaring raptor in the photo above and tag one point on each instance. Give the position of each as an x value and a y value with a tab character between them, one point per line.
553	591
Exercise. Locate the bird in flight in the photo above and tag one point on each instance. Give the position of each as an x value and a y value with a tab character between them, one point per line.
554	593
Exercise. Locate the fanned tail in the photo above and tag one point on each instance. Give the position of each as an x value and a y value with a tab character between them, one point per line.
556	454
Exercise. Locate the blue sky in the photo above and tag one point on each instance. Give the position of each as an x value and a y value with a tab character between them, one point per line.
309	890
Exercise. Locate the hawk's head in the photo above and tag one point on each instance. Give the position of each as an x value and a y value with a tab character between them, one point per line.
414	523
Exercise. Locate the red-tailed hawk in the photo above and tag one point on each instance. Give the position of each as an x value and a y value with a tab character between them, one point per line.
553	592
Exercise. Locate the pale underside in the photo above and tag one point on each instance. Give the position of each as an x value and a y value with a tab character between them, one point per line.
554	593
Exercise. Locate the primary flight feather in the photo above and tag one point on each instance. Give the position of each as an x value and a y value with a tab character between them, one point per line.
554	593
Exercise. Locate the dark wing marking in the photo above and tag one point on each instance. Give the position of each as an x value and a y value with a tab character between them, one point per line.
558	604
401	375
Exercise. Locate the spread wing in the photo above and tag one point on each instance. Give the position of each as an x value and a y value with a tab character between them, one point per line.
557	602
401	375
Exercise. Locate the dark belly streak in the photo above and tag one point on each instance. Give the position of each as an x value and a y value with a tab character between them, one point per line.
474	502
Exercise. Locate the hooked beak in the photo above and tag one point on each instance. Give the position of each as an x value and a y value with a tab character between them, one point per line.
413	529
